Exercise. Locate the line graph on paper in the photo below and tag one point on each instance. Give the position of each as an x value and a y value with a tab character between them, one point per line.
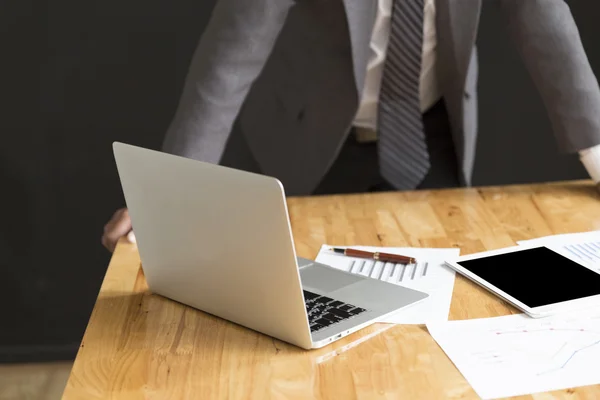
507	356
540	349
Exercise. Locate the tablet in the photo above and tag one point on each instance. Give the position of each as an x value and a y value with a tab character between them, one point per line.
538	280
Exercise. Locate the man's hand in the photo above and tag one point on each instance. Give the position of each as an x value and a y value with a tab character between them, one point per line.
119	226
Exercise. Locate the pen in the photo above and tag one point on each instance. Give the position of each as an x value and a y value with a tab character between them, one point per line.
386	257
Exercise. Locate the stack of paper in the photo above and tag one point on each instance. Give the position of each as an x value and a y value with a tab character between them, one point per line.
429	275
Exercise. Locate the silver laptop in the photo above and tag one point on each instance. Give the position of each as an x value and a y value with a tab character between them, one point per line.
219	240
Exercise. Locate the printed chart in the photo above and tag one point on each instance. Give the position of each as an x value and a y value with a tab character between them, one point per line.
429	274
385	271
514	355
583	247
586	252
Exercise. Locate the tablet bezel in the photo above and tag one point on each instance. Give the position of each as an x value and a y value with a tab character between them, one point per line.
535	312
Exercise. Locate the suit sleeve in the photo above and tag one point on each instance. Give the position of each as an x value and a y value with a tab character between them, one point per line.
230	55
548	40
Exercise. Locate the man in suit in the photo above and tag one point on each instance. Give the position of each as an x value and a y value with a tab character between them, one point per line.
362	95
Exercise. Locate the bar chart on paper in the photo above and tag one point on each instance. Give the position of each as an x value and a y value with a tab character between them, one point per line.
515	355
587	253
428	274
583	247
385	271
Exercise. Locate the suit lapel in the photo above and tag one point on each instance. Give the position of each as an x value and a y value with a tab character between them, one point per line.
456	24
361	17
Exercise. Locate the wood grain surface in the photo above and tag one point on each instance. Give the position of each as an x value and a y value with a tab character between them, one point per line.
141	346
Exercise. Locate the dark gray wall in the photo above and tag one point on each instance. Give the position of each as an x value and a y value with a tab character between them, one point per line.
75	76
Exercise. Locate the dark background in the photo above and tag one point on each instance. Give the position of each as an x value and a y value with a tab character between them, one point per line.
75	76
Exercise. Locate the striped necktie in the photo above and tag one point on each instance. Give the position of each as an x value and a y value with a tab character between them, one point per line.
403	156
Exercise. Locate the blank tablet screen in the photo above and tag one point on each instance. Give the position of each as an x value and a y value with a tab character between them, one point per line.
536	277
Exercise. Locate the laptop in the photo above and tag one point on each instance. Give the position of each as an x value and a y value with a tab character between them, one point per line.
219	240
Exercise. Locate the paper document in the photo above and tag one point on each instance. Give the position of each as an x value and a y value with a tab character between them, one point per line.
563	237
583	247
518	355
429	275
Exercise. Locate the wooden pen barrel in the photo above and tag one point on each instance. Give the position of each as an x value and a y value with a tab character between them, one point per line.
388	257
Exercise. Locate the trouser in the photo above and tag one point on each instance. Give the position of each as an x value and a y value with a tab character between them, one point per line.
356	169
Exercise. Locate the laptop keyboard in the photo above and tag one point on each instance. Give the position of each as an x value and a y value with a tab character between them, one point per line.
324	311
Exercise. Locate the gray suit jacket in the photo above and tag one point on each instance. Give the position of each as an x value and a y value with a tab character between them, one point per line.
293	71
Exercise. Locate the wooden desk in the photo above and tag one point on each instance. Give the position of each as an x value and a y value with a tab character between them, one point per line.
141	346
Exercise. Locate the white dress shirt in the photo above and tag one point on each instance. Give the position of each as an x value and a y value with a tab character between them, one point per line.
365	120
